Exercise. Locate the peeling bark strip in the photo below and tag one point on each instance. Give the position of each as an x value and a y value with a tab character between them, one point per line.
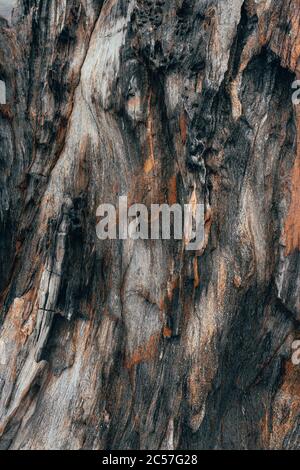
125	345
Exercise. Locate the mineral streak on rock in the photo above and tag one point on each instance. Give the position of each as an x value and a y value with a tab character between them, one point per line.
127	345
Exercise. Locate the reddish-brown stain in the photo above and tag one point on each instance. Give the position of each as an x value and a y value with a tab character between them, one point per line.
6	112
172	190
145	352
167	332
183	127
196	273
292	222
150	162
287	397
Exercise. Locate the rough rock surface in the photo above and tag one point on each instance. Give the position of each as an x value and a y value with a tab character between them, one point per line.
127	345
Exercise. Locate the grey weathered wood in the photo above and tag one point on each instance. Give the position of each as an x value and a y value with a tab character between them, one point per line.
123	344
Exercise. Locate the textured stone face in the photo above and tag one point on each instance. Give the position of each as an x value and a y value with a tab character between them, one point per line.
122	344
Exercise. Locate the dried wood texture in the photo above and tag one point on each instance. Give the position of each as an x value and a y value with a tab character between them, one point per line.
127	345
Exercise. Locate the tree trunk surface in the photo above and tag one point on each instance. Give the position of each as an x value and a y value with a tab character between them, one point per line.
123	344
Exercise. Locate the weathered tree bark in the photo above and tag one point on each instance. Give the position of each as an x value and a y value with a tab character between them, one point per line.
127	345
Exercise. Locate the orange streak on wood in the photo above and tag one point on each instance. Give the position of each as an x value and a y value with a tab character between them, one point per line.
23	312
172	190
183	127
145	352
149	165
196	273
290	44
287	397
292	222
167	332
162	304
150	162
